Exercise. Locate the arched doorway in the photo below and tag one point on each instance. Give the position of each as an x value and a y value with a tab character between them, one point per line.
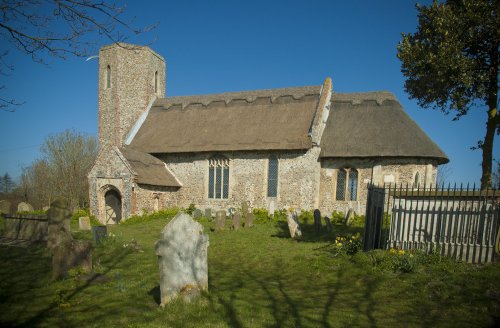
113	206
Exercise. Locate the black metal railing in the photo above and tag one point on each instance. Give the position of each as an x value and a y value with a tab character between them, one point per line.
457	221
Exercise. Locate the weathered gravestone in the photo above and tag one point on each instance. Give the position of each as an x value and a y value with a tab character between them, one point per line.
197	214
84	223
99	233
317	221
249	220
208	213
24	207
66	252
236	221
220	220
5	207
329	226
293	225
182	256
244	208
349	217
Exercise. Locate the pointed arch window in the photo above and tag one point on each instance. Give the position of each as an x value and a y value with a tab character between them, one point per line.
416	181
108	77
218	177
272	177
347	185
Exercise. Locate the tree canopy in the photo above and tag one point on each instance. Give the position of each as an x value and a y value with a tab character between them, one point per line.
451	64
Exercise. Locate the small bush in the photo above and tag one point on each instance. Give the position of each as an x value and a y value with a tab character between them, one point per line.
167	213
261	215
338	217
306	217
358	221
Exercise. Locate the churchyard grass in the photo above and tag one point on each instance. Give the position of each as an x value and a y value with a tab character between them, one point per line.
258	277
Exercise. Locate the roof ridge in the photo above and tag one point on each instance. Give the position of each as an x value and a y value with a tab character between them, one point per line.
356	98
250	96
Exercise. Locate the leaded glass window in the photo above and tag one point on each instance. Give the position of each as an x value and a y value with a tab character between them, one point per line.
341	179
272	177
353	185
218	177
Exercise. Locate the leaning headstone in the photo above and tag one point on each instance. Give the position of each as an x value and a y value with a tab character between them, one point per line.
317	221
249	220
24	207
236	221
197	214
329	226
4	207
66	252
349	217
293	225
208	213
84	223
220	220
182	257
99	233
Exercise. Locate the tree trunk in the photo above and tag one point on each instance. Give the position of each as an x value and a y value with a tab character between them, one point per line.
487	147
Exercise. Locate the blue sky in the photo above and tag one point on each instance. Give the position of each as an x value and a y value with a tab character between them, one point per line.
222	46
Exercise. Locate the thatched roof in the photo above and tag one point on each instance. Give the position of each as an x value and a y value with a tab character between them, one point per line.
150	170
373	124
252	120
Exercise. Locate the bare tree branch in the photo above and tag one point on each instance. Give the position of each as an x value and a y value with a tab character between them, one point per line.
60	28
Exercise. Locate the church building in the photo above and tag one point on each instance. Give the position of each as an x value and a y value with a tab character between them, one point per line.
299	147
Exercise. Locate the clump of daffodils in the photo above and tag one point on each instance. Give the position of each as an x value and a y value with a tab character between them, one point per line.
348	245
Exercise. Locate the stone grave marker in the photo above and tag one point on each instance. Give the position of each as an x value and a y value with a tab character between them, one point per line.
236	221
329	226
349	217
197	214
220	220
66	252
5	207
84	223
208	213
293	225
182	257
244	208
24	207
317	221
249	220
99	233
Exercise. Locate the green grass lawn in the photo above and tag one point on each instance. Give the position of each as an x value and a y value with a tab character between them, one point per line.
258	277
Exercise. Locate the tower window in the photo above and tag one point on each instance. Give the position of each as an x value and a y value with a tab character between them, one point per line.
108	77
156	82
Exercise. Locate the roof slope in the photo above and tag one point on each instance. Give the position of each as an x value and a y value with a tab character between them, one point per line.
150	170
373	124
252	120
